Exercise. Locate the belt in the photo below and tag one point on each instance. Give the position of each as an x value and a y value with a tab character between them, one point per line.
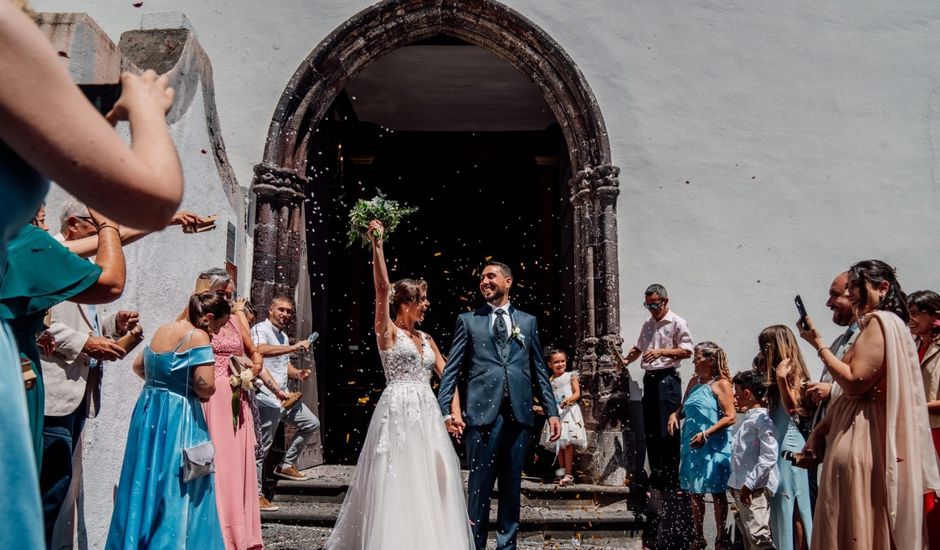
660	372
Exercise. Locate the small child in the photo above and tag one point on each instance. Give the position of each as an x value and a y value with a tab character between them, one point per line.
567	392
753	461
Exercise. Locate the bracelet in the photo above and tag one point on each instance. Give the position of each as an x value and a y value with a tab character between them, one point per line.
704	435
820	350
109	226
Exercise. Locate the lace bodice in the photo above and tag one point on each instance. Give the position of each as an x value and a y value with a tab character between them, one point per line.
226	343
404	362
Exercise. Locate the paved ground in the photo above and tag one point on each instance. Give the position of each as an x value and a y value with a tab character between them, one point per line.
298	537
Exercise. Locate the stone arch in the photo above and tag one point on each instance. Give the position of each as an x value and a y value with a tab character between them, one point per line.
280	178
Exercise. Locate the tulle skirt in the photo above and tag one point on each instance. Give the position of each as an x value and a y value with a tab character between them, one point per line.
407	492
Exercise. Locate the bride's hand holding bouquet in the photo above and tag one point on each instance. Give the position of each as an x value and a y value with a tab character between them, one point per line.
387	213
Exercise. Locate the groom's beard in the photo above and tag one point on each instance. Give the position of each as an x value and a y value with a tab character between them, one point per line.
496	297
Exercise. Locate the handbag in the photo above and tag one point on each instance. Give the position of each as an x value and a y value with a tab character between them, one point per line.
199	459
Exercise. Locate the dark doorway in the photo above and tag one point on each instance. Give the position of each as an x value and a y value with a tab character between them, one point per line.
481	194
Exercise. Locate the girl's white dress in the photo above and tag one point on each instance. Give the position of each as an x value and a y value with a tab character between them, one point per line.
572	422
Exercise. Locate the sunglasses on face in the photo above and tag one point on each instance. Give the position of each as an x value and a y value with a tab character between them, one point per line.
654	306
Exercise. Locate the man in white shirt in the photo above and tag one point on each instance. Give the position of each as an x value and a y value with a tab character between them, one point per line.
274	345
663	343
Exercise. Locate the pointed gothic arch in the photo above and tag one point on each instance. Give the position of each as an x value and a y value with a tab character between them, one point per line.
279	183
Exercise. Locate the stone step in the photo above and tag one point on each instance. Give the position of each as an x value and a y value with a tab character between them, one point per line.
328	484
611	521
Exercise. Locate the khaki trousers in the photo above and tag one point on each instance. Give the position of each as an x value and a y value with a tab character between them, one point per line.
754	519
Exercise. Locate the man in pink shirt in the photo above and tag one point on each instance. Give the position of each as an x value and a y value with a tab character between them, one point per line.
663	343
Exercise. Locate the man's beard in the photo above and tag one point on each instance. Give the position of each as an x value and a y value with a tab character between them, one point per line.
497	296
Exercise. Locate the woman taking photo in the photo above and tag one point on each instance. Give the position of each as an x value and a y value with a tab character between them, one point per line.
875	439
705	460
781	362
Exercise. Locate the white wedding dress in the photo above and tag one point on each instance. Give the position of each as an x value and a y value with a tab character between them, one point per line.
407	492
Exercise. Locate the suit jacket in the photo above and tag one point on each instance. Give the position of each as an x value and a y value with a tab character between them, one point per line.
474	350
66	375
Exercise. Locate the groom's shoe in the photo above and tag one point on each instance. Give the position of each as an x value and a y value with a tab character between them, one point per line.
289	473
266	505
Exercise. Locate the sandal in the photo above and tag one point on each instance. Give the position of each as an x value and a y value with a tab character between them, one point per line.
566	481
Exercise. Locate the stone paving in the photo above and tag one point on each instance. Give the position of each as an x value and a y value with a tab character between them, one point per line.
299	537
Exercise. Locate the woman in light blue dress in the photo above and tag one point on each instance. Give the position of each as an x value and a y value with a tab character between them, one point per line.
155	507
705	440
780	360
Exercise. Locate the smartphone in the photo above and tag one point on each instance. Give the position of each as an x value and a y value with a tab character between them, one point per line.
802	311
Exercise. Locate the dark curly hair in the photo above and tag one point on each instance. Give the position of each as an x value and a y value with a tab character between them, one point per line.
875	272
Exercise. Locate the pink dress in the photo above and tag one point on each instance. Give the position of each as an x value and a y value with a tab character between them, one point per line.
236	481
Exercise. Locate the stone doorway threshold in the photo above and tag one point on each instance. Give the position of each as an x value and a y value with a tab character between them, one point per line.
592	515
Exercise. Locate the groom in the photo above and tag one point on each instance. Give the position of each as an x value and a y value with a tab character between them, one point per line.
499	347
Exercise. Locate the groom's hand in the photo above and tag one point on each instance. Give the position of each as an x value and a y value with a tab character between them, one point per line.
455	427
554	424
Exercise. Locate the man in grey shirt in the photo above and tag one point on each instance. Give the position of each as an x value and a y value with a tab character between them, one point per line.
274	345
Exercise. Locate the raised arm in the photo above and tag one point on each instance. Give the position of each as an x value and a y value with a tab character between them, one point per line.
866	356
49	122
87	246
384	329
110	258
789	395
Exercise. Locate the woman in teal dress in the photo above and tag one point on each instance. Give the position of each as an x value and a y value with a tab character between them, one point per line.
22	190
705	441
155	507
40	274
780	360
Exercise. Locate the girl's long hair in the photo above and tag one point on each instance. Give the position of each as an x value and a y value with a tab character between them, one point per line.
777	342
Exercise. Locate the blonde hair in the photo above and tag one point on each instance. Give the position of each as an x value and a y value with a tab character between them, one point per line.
713	351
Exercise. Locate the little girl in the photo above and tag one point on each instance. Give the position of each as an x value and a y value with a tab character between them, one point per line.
567	392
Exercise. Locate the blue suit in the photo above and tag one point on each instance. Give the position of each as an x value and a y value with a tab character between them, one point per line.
499	417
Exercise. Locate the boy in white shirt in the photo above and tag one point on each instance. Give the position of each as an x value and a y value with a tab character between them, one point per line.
753	461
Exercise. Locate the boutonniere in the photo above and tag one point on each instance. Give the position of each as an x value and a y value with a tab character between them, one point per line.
516	334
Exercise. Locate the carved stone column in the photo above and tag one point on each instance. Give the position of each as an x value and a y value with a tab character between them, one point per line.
278	233
605	387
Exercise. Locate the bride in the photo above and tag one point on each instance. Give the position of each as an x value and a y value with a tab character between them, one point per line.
407	490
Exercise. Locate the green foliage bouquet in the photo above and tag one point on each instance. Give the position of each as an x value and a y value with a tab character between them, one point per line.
380	208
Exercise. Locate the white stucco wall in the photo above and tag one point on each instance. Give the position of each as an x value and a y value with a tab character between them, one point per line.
764	147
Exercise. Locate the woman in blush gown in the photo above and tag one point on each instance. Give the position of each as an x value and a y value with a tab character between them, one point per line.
407	491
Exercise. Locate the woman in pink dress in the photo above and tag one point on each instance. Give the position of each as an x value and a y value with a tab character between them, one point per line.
236	479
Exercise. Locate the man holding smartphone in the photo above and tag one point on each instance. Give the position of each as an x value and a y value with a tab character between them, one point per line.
826	390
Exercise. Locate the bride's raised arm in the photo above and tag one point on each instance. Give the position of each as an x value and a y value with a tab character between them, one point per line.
384	329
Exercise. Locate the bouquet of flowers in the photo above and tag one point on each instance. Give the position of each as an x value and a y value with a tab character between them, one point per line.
380	208
241	379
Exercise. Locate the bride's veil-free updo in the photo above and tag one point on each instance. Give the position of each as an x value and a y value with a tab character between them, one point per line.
404	291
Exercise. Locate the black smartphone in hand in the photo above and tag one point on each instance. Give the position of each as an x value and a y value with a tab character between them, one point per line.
802	311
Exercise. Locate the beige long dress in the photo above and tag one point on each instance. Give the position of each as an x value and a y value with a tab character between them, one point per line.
879	459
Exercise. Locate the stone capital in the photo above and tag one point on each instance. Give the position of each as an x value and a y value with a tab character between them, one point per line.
271	182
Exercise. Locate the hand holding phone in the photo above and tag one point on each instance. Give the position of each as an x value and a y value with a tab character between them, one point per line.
802	311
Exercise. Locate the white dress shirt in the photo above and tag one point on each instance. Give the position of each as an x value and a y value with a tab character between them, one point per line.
668	333
754	452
